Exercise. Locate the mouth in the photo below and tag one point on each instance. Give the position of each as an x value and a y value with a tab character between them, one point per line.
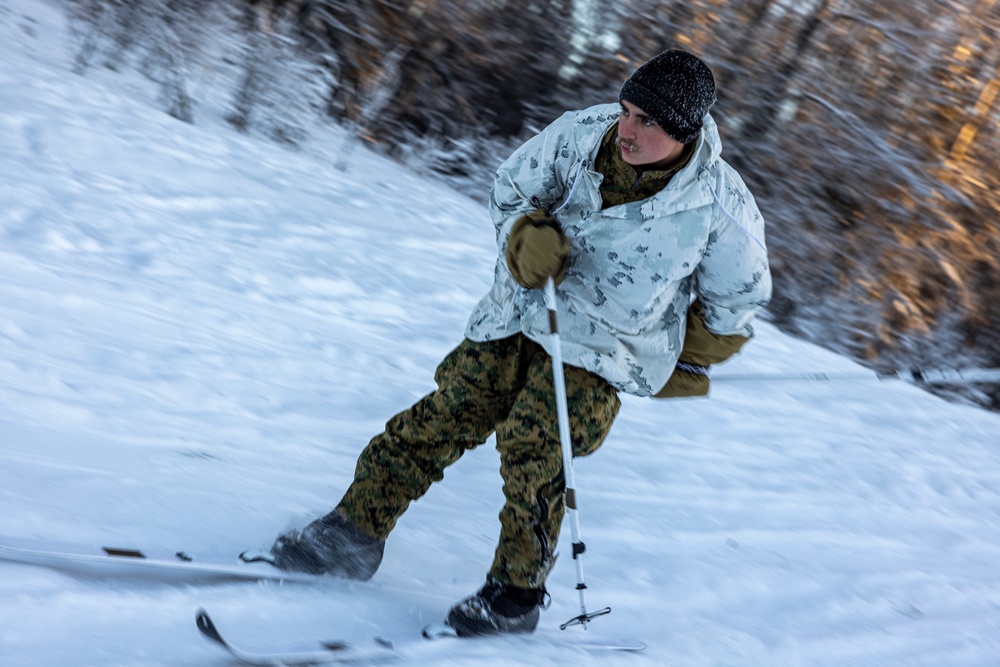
627	146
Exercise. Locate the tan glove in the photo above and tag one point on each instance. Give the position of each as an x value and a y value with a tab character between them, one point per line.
536	250
702	348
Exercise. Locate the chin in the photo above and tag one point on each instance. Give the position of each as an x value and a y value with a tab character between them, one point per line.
631	159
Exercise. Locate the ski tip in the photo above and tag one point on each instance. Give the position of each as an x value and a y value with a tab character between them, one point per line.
256	556
207	627
624	645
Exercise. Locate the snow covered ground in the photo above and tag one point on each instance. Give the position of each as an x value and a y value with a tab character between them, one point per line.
199	331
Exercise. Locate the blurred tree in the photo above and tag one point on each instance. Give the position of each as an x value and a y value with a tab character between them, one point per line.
284	74
163	38
447	70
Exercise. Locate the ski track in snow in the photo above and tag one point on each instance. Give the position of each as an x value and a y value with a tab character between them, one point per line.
199	331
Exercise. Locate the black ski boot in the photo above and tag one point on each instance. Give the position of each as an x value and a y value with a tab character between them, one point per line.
330	545
497	609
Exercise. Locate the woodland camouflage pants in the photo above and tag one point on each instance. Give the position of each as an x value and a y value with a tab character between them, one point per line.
502	386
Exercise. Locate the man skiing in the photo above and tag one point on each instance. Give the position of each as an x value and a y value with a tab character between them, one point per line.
657	248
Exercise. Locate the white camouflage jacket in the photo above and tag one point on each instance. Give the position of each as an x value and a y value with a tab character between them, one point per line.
633	268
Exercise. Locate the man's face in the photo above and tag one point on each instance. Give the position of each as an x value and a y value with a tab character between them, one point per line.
643	143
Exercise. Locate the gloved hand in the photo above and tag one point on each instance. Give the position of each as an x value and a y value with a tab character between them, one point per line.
536	249
702	348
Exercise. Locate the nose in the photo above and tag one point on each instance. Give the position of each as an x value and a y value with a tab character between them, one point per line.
626	127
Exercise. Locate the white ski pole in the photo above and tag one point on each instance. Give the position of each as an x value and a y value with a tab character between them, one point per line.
562	410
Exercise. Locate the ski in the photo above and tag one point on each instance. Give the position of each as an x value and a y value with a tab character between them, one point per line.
326	653
380	649
116	562
436	631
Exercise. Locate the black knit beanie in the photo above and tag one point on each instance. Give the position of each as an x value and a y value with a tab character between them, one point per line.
676	89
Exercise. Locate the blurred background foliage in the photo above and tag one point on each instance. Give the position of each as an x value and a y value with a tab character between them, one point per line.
867	131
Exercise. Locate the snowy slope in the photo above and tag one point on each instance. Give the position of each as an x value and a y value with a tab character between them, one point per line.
199	332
